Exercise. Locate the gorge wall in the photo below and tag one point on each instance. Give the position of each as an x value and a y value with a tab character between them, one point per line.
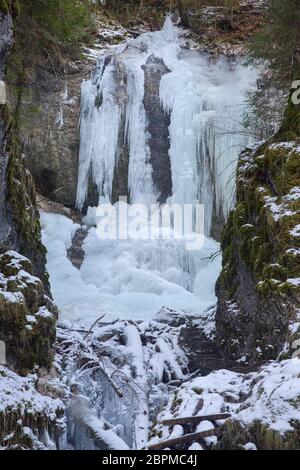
23	285
259	286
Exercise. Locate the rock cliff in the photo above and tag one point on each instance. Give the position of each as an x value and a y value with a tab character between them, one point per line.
22	294
259	285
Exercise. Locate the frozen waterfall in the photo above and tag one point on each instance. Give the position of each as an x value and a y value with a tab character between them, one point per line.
205	100
159	124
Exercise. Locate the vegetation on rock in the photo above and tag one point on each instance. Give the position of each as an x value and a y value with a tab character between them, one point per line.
259	289
281	29
27	316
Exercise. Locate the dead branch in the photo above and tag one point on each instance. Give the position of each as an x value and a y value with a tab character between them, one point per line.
187	439
108	378
94	324
195	419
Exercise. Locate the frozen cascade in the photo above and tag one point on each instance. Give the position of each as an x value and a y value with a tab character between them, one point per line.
139	171
206	101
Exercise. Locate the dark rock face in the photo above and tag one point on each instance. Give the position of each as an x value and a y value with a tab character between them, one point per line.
76	252
4	225
258	290
120	182
6	40
27	315
49	128
158	128
158	133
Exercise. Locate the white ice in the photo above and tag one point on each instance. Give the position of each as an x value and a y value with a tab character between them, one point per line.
126	278
206	102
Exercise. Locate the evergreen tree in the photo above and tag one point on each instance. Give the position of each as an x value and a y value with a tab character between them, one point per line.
278	46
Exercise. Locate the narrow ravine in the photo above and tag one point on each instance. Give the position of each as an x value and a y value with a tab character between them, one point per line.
149	227
164	124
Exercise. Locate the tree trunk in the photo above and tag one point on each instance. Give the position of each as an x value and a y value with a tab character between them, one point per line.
184	15
290	127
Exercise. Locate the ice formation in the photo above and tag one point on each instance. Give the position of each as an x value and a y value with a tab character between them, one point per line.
206	101
126	278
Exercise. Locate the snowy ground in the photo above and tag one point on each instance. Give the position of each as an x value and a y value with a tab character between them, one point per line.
26	414
270	396
130	376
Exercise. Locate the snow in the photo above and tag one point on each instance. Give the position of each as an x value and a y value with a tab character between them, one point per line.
83	415
270	396
295	232
19	394
250	446
274	397
135	349
127	352
278	210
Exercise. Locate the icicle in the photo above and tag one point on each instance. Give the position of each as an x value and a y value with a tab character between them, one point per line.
140	182
99	129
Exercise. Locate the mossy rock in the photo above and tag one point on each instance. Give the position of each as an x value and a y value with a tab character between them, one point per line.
269	439
27	316
21	200
261	253
10	7
233	436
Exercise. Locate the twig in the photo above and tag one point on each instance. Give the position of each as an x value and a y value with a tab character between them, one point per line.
195	419
111	382
212	256
184	439
94	324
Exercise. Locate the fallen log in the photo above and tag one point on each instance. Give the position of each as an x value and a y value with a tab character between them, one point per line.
195	419
187	439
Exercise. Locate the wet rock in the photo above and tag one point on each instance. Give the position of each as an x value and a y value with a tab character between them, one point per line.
76	252
49	130
158	128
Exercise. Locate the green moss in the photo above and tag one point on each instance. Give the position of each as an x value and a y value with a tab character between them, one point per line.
233	436
4	7
26	347
261	257
264	242
197	390
268	439
290	129
21	197
8	6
